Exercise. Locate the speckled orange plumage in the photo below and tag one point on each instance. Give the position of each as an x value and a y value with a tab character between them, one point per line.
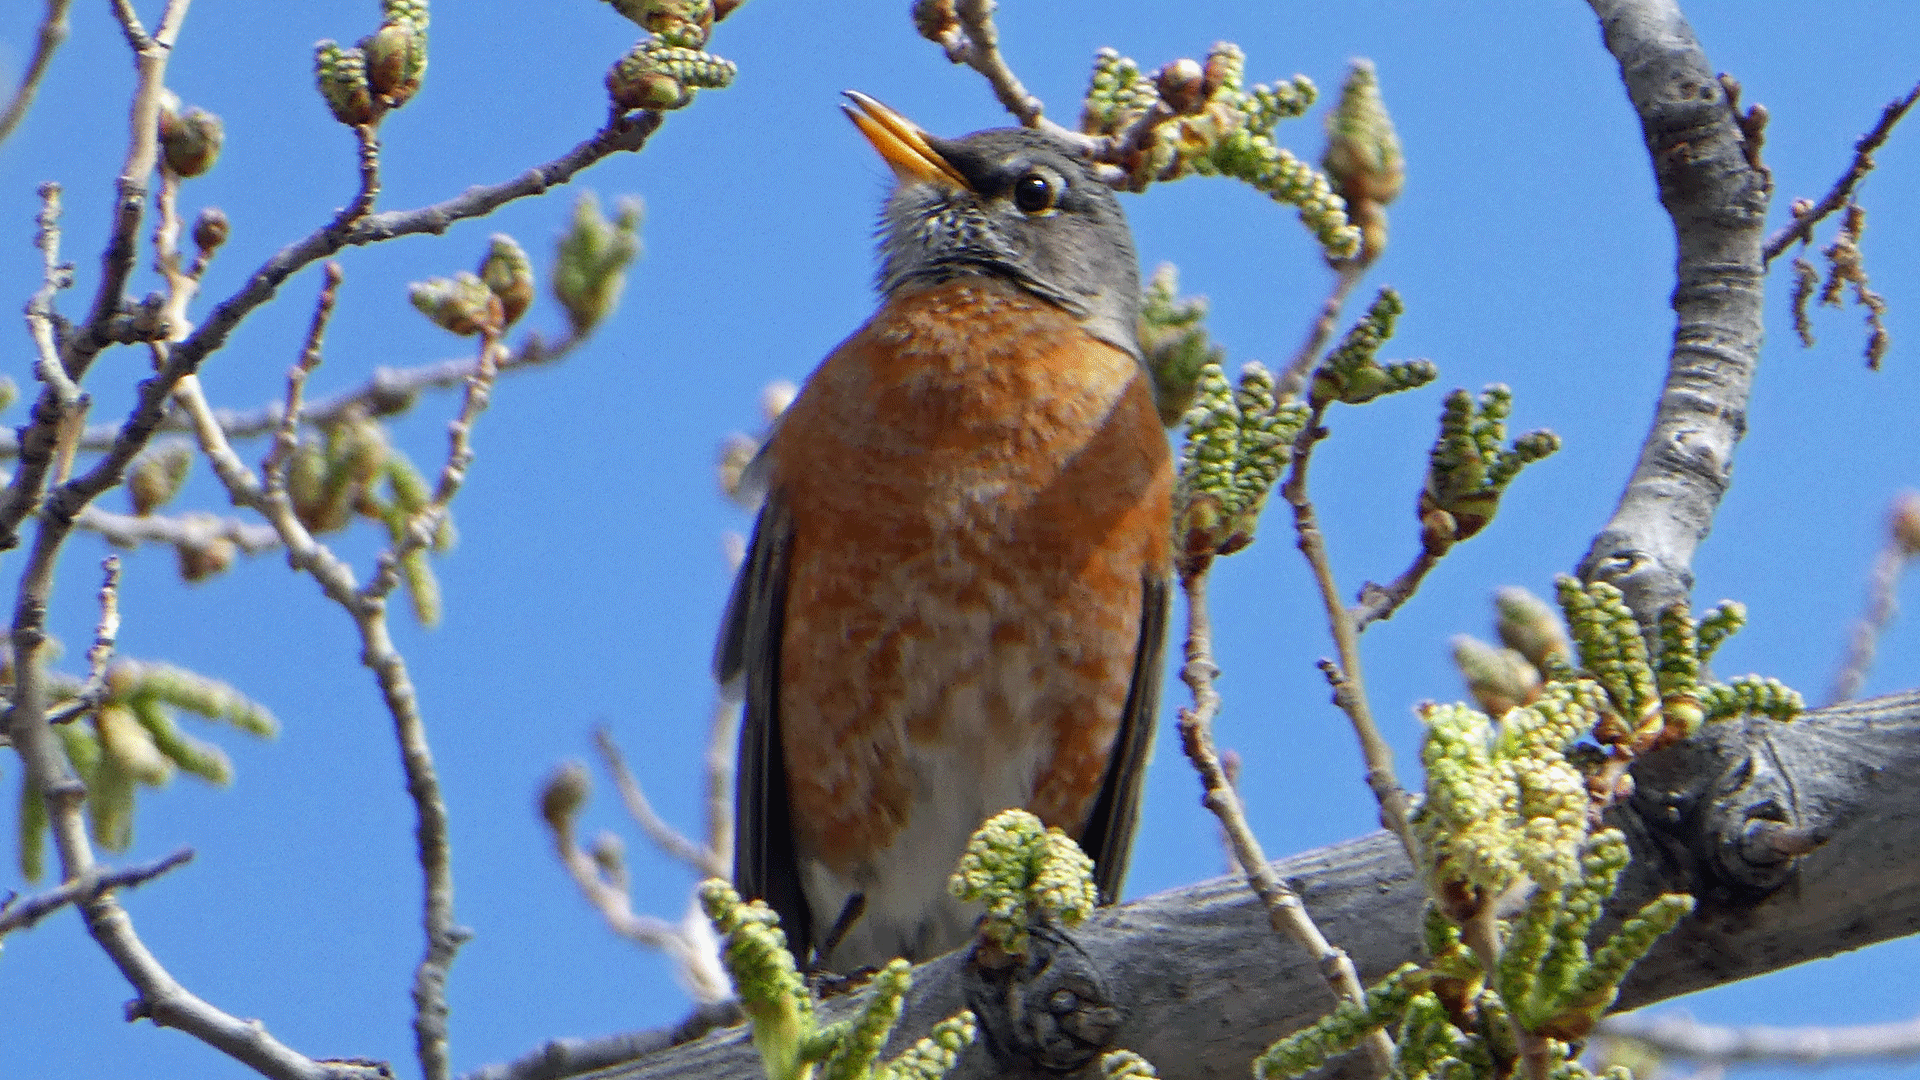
977	491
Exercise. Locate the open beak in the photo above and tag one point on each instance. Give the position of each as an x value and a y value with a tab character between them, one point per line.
901	142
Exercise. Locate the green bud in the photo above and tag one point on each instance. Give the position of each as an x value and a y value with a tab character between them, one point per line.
202	559
130	747
508	274
460	305
593	255
210	230
413	11
190	142
342	78
396	60
561	797
1363	156
157	475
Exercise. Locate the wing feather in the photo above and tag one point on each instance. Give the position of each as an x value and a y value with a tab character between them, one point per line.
1109	834
747	660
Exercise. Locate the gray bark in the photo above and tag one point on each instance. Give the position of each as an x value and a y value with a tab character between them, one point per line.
1717	197
1196	981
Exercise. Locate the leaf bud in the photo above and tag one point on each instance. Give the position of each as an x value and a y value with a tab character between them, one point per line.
508	274
190	141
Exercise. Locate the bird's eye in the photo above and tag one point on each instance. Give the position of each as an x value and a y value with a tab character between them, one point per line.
1034	193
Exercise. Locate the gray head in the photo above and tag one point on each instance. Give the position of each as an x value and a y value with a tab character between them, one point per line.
1012	203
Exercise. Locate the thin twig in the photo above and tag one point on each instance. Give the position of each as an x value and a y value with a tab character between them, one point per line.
723	741
189	530
368	139
425	522
105	633
158	996
1680	1036
1293	381
965	31
703	859
387	392
1378	602
53	33
59	398
627	133
21	914
1806	217
1345	677
143	153
1285	913
1903	544
690	944
336	580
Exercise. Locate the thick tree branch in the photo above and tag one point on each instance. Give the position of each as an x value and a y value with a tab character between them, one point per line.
1203	995
1718	202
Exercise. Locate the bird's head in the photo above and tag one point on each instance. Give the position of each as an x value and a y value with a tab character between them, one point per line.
1011	203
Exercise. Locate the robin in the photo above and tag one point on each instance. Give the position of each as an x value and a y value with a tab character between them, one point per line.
955	599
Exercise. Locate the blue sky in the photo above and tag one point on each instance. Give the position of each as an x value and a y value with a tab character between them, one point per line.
1528	246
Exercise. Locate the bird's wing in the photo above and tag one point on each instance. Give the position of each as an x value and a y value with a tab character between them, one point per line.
1109	834
747	660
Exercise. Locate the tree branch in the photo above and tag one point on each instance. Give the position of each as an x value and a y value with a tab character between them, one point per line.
53	33
1718	203
1345	677
1806	216
1203	996
1680	1036
20	914
387	392
1285	913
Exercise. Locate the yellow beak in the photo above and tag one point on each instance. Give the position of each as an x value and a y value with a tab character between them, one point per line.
901	142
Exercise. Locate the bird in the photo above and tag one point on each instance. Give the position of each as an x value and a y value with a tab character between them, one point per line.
955	598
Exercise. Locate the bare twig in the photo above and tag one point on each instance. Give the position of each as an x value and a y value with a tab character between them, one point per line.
1805	217
601	877
1285	912
1345	676
53	33
387	392
1902	547
627	133
368	138
151	53
707	860
1681	1036
59	398
722	750
184	530
106	632
964	30
1379	602
21	914
336	580
1293	381
158	996
425	522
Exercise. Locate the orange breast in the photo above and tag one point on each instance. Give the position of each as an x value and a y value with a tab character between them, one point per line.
976	489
